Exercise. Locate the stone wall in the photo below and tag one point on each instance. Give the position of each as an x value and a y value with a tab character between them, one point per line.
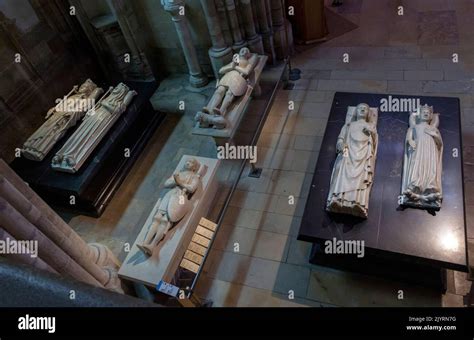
51	61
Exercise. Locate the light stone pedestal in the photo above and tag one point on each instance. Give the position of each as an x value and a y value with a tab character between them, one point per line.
236	110
162	265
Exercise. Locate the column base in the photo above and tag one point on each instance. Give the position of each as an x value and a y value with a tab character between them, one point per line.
237	46
198	80
106	260
103	257
114	284
220	58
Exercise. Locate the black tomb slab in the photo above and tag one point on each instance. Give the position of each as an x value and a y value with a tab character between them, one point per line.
94	185
408	244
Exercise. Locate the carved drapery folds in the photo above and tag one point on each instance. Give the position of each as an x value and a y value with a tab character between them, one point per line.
423	161
25	216
354	168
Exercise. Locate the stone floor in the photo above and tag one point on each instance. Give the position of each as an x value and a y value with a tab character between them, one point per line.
388	53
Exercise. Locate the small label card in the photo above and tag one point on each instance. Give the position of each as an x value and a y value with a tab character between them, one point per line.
167	288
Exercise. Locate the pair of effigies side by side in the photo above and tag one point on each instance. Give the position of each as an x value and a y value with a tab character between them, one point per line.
354	168
98	116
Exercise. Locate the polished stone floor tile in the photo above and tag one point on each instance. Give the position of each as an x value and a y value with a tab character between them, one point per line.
258	273
286	183
254	184
355	290
251	242
224	294
307	143
276	141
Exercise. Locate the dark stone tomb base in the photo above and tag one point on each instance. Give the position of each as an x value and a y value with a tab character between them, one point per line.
401	243
380	265
94	185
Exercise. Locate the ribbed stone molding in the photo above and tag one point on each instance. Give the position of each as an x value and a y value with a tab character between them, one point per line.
254	40
279	35
265	28
26	216
239	41
220	53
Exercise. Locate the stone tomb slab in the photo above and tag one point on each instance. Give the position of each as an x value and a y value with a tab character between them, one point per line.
164	262
391	235
94	185
236	110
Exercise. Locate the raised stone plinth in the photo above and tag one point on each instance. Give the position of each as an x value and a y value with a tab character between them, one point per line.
162	265
236	110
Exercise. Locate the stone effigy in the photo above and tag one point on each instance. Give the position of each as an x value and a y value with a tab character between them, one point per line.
96	123
353	171
60	118
233	84
167	254
174	205
423	161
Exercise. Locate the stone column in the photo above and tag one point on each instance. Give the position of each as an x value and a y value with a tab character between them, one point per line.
90	256
139	65
268	8
220	53
176	9
255	15
36	262
222	14
278	23
239	42
254	40
78	252
21	229
265	30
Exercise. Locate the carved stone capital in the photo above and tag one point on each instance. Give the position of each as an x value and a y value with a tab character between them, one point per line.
172	6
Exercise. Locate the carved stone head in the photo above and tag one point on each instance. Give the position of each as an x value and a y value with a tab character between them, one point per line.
87	87
244	53
426	113
192	164
362	111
